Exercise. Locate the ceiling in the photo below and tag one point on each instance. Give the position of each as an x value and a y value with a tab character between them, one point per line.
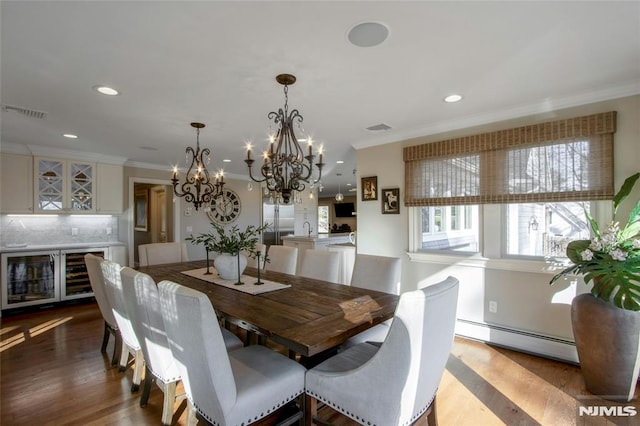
176	62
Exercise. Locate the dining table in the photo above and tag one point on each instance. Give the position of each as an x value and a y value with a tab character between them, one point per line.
309	317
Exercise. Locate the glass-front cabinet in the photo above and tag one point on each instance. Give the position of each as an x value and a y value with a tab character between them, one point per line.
64	185
39	277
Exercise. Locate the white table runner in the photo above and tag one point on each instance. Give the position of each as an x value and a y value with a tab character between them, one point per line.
247	287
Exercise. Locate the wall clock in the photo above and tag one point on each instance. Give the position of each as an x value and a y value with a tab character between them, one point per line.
225	208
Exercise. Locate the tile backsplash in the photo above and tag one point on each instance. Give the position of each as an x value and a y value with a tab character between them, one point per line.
62	229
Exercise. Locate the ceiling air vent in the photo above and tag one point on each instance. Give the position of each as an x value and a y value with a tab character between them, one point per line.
32	113
379	128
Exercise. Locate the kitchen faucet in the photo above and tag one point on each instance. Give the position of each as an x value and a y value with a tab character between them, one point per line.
307	223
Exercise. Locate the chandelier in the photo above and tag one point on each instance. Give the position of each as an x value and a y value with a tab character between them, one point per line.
284	169
197	187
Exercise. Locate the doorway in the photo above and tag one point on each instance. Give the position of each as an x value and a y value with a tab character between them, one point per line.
154	215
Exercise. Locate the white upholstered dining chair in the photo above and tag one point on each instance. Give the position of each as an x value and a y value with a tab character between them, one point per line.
380	273
159	253
406	369
226	388
143	306
99	292
130	343
282	259
321	265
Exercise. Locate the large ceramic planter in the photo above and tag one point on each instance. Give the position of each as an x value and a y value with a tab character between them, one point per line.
607	339
227	266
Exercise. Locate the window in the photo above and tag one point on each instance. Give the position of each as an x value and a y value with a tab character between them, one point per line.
544	229
542	176
323	219
453	228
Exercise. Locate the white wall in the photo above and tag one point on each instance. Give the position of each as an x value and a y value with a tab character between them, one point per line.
382	234
526	302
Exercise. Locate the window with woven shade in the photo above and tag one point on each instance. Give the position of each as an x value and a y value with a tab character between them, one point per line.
537	180
564	160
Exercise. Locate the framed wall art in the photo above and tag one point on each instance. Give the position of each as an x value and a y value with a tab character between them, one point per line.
390	201
369	188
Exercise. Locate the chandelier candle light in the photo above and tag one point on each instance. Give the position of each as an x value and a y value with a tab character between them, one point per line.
197	187
284	169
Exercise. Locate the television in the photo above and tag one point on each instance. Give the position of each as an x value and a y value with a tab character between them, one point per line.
344	209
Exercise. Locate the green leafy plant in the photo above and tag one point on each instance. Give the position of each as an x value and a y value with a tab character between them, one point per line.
611	259
230	240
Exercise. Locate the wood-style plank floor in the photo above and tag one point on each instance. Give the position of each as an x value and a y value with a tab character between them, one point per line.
52	373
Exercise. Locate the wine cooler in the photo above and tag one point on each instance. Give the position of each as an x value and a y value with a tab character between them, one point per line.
33	278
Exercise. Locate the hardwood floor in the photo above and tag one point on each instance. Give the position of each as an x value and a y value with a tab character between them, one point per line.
52	373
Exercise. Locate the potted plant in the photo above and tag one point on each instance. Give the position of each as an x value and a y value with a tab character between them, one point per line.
230	244
606	321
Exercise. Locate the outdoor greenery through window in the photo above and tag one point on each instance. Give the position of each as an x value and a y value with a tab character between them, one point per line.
542	175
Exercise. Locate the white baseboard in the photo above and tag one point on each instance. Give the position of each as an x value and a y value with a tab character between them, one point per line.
545	346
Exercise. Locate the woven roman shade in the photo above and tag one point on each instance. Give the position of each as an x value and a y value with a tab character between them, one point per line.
564	160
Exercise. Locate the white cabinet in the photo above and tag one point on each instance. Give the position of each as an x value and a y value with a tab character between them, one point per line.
16	189
52	185
64	186
109	191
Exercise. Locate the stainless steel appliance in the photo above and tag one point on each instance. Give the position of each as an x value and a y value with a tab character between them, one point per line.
281	217
39	277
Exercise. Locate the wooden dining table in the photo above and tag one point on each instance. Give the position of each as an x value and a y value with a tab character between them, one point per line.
309	317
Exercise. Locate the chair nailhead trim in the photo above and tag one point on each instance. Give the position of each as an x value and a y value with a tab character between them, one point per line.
164	379
348	413
278	405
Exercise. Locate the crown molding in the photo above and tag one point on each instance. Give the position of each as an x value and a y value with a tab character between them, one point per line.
168	169
44	151
14	148
545	105
143	165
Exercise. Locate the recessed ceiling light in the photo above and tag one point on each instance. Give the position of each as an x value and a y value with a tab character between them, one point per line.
368	34
70	136
226	160
105	90
349	184
340	162
453	98
148	148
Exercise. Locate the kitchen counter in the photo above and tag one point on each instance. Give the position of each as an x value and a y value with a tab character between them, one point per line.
347	245
79	245
317	242
320	238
